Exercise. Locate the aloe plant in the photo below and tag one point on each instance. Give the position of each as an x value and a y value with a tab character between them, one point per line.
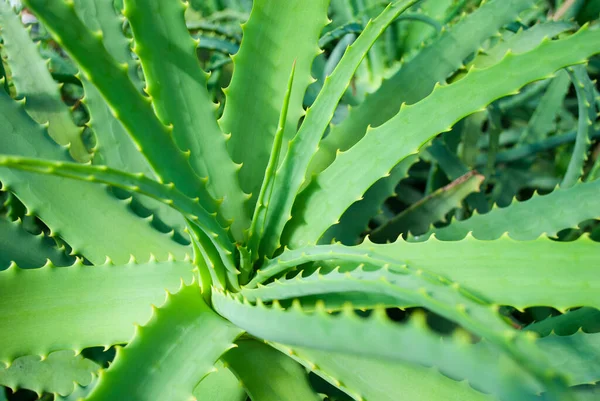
234	211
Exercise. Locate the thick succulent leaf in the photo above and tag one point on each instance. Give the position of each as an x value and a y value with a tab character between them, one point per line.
151	136
543	120
177	87
522	41
584	87
58	373
431	209
168	194
509	272
267	374
103	16
416	79
34	83
407	343
28	250
336	188
106	229
265	195
355	219
290	176
169	355
586	319
372	379
114	147
527	220
577	355
53	308
417	33
220	385
276	35
411	287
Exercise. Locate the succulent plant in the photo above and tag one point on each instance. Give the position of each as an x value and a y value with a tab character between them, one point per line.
237	211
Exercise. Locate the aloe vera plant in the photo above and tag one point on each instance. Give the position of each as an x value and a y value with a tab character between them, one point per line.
236	211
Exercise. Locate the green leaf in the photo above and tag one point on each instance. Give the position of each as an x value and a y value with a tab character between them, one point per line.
135	112
114	147
542	123
587	319
59	373
221	385
34	83
28	250
355	220
431	209
382	380
267	374
522	41
291	174
106	229
527	220
265	196
416	79
177	87
53	308
276	34
345	179
522	274
407	343
169	355
584	87
577	355
168	194
103	16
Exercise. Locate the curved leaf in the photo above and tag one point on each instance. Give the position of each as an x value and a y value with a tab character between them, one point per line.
177	87
53	308
152	137
28	250
302	147
276	35
90	231
267	374
169	355
407	343
34	83
58	373
527	220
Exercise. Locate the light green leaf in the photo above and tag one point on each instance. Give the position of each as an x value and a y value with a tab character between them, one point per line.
336	188
522	274
28	250
53	308
382	380
267	374
135	112
106	229
58	372
416	79
406	343
35	84
527	220
169	355
177	87
291	174
276	35
114	147
221	385
168	194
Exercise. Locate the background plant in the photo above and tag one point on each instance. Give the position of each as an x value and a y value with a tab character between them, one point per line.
436	117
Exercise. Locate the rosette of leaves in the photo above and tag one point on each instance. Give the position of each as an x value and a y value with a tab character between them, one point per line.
228	215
